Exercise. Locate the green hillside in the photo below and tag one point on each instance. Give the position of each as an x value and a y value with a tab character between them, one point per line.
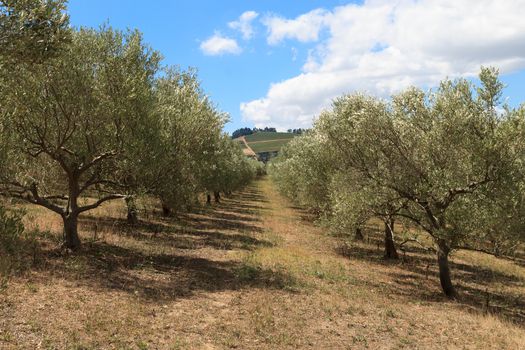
268	146
268	136
268	141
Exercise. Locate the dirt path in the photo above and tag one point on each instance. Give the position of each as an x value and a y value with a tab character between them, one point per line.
250	273
248	151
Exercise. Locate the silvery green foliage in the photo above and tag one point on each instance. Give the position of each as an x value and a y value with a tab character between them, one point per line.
11	228
189	128
449	161
230	169
302	171
191	155
31	31
72	122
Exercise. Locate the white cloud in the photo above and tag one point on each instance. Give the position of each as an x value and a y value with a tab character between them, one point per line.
383	46
304	28
244	24
219	45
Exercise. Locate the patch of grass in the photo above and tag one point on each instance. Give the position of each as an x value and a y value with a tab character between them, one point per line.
141	345
249	273
268	146
275	275
267	136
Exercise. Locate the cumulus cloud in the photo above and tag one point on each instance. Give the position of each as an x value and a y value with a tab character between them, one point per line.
304	28
383	46
219	45
244	24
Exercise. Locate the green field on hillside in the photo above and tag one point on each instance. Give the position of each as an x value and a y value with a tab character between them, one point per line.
268	146
267	136
268	141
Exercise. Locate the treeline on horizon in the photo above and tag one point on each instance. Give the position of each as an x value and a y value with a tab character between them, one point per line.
93	115
446	168
249	131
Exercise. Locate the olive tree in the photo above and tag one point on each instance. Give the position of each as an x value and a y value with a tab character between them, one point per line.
190	133
229	171
449	161
354	201
303	172
73	120
31	31
353	124
443	153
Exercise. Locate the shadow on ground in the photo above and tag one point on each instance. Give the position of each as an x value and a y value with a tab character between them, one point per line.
415	276
161	263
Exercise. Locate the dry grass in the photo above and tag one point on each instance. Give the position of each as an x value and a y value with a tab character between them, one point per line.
249	274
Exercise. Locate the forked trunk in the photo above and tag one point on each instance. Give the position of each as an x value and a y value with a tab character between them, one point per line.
444	270
72	240
132	216
390	248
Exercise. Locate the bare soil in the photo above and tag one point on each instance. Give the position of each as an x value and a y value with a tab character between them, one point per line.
250	273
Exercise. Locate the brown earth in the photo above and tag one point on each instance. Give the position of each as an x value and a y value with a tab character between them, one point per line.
251	273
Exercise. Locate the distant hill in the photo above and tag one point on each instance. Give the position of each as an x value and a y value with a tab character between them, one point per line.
265	144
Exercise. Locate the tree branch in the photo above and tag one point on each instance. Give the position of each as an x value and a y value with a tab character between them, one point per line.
97	160
430	249
99	202
44	202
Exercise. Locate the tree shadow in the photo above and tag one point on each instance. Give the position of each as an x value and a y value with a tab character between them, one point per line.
180	237
415	276
245	209
141	266
221	224
155	278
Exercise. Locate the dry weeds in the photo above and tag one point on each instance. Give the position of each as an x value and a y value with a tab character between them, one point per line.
249	274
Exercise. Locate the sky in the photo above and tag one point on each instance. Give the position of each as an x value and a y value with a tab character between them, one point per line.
280	63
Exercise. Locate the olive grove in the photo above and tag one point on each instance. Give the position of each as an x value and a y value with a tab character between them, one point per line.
88	116
448	163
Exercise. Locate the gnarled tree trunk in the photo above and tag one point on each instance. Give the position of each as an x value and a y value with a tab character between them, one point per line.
444	270
132	216
390	248
217	196
71	237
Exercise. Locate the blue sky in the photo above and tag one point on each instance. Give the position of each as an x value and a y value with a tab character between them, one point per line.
301	54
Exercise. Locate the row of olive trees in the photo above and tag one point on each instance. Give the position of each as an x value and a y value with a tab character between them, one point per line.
449	163
100	119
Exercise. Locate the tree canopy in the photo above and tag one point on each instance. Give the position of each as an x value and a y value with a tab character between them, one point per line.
101	119
448	162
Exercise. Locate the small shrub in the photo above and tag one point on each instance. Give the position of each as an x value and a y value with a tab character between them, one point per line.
11	229
14	241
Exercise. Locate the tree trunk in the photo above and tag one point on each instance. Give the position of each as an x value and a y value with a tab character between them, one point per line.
72	240
208	199
70	217
217	196
132	217
359	234
444	270
166	210
390	248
